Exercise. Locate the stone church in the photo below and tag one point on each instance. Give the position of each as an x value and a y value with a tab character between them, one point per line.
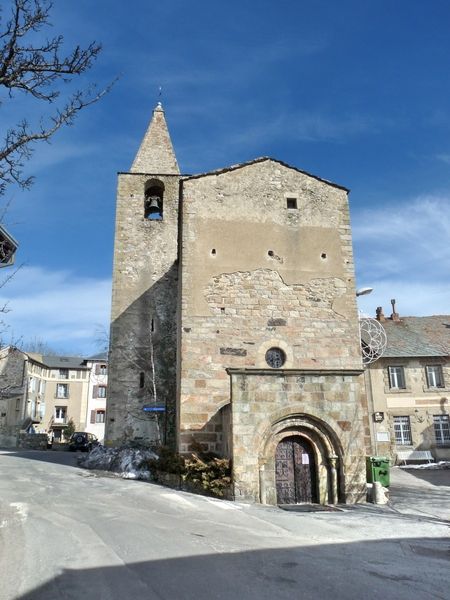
235	326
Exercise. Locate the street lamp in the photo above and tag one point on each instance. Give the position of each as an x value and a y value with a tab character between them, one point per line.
364	291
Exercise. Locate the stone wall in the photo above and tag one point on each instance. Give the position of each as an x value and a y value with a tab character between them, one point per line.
143	327
32	441
329	408
255	275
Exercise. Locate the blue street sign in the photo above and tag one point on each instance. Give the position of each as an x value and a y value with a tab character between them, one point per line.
154	408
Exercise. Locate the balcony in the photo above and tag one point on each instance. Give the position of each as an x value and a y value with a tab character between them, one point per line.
59	422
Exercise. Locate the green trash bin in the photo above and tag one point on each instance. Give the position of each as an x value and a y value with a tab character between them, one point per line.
377	469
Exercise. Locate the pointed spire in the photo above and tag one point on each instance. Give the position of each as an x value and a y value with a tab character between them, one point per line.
156	154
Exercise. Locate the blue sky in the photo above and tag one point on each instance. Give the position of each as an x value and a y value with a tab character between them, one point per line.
356	91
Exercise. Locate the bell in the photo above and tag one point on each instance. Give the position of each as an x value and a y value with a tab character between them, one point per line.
153	206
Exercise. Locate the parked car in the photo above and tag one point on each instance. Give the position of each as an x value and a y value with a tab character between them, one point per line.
81	440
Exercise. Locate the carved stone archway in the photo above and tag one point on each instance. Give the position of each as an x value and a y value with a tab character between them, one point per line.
327	453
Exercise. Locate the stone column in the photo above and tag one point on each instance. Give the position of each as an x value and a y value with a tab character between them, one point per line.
332	462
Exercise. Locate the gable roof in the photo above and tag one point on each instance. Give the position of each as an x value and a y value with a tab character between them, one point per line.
417	337
101	356
259	160
58	362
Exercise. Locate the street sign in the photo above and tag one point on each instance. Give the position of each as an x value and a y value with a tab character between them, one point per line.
154	408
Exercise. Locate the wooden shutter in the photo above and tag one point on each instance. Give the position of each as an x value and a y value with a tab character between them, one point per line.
95	393
97	368
92	416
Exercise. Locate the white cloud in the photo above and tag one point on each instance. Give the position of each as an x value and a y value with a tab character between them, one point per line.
61	309
445	158
403	252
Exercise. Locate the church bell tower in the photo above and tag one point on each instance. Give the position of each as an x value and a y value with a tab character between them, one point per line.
142	359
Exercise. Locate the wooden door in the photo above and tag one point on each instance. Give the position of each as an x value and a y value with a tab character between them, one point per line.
295	471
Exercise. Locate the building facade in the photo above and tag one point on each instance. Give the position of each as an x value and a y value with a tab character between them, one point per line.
409	387
234	323
43	394
97	393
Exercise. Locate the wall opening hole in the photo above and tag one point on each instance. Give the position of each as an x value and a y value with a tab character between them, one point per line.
271	253
213	252
291	203
323	256
141	379
222	309
152	325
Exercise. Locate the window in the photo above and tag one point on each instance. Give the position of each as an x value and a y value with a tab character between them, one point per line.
60	414
397	378
32	384
275	358
42	386
64	373
101	391
442	429
402	431
100	416
291	203
435	378
102	369
41	410
62	390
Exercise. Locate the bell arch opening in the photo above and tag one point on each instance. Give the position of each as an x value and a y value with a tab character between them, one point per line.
154	200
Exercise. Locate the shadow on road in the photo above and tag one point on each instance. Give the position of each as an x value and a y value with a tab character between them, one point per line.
60	457
439	477
383	569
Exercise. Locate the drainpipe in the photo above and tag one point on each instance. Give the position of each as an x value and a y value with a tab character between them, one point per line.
25	384
371	408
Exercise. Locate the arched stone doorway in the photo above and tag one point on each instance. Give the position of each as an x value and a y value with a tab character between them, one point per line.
308	448
295	471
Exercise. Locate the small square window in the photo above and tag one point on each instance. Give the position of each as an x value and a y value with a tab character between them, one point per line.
435	377
62	390
100	416
397	378
291	203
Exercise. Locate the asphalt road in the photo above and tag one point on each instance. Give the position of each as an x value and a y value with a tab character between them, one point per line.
66	533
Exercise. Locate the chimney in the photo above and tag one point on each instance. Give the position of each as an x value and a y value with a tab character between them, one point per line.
394	316
380	315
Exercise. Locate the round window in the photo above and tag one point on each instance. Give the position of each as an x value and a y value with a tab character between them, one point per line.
275	358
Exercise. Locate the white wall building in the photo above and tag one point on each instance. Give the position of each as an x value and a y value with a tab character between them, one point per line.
97	391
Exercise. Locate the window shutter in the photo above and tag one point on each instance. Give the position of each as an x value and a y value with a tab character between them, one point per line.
95	394
92	416
97	369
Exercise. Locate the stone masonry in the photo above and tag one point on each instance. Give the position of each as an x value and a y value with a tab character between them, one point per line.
262	256
142	359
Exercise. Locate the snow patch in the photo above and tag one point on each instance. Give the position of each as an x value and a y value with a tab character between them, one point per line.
128	463
442	464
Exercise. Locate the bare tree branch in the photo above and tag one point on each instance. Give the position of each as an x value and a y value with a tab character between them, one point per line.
38	69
